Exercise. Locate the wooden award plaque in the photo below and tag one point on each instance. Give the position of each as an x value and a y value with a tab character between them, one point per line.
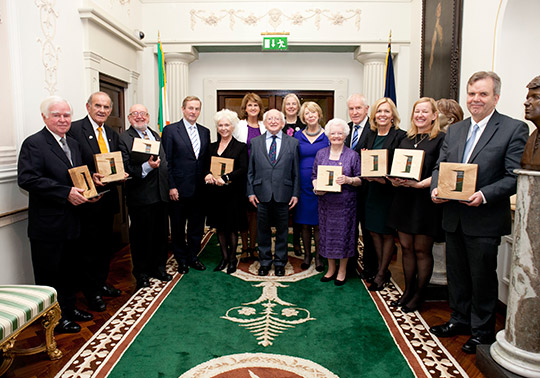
110	165
457	181
374	163
144	146
407	164
221	166
326	178
83	180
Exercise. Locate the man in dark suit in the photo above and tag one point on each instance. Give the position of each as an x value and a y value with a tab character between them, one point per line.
474	228
96	239
360	128
273	188
53	217
147	196
186	147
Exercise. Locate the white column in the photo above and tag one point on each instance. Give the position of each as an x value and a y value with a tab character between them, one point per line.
518	346
373	87
177	71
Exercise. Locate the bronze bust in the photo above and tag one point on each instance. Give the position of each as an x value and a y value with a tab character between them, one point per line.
531	155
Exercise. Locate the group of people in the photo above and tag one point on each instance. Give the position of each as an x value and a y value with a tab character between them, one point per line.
276	158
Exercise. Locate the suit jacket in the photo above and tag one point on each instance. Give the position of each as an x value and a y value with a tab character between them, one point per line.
280	181
361	140
43	172
186	171
497	154
83	132
154	187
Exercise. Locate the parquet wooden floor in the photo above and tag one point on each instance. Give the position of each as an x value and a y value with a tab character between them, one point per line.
39	366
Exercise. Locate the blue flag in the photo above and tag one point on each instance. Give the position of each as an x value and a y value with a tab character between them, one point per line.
389	81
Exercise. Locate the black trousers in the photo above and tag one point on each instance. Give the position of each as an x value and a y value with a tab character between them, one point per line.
190	211
55	265
96	245
148	235
274	214
471	266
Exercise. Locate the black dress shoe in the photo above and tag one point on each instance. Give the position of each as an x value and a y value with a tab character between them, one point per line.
263	270
450	329
328	279
221	266
183	268
96	303
162	276
77	315
110	291
197	265
340	283
67	326
319	268
279	271
143	281
232	266
471	344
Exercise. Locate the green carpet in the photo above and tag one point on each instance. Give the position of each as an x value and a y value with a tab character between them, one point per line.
347	336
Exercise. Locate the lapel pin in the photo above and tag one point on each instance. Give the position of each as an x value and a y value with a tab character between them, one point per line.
90	137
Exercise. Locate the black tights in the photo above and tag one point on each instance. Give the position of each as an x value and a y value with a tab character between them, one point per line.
384	246
417	257
228	241
307	232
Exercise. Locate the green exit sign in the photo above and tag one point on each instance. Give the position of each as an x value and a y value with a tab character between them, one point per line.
274	43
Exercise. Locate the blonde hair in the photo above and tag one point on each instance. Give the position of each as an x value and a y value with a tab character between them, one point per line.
395	115
435	126
312	107
295	97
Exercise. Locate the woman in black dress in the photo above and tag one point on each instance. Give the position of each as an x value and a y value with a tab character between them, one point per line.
227	193
385	134
416	218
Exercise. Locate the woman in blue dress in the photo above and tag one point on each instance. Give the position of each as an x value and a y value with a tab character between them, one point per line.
310	140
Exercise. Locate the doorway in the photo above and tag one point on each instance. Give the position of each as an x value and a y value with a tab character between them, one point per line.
272	99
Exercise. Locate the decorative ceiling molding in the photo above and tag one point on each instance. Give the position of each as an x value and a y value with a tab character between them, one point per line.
49	51
275	17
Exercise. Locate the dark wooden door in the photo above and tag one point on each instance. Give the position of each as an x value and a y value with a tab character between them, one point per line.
272	99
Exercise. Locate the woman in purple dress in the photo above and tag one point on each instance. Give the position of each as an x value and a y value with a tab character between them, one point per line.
337	211
249	127
310	140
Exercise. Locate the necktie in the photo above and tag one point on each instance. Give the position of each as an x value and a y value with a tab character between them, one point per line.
101	142
470	143
145	135
355	136
66	149
273	150
194	140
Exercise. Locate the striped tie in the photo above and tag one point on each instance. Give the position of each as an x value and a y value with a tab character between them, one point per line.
195	143
101	142
355	136
469	144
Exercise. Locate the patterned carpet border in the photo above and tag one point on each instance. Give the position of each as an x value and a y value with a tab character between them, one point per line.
425	354
98	356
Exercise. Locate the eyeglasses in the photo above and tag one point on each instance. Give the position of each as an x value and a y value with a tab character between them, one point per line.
136	114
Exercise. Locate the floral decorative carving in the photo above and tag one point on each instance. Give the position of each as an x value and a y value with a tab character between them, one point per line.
49	52
276	17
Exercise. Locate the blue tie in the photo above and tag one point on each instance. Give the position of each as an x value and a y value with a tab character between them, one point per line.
469	144
355	136
273	149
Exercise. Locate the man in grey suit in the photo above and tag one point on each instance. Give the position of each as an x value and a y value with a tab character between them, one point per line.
147	195
474	228
273	188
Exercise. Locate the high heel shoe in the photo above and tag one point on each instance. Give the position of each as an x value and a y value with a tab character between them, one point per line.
232	266
378	287
340	282
328	279
306	264
221	265
407	309
249	255
401	301
319	266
